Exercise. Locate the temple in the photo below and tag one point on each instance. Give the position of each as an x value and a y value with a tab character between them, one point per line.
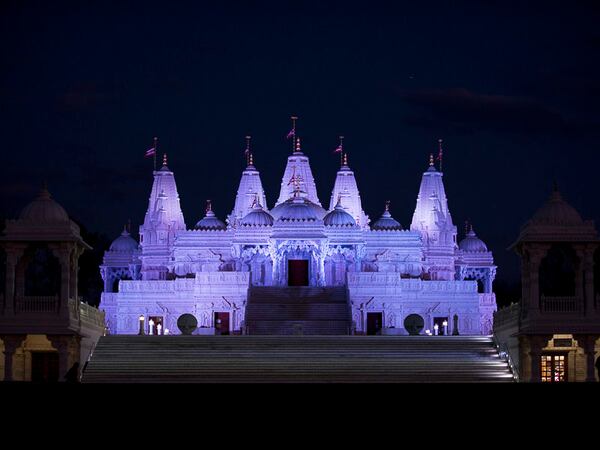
299	267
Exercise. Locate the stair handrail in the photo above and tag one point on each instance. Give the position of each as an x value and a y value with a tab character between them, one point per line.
505	354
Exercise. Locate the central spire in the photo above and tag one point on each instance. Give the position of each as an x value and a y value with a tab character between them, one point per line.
297	165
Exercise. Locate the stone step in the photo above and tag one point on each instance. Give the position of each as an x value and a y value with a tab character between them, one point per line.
309	359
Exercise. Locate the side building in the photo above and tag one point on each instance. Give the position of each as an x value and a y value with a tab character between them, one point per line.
553	333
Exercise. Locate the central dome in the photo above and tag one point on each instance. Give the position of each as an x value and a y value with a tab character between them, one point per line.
298	208
44	210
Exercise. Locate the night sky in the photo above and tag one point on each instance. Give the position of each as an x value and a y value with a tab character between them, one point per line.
512	90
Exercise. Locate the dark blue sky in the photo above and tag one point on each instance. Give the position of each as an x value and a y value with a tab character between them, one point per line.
513	90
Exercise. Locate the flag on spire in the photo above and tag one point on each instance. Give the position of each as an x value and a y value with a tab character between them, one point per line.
150	152
440	154
292	132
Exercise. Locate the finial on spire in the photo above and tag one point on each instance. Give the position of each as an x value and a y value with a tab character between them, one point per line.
431	160
208	206
247	152
298	147
387	205
164	159
440	153
345	160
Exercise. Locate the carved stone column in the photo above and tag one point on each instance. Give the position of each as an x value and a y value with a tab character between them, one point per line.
536	344
536	254
11	343
12	258
588	288
588	343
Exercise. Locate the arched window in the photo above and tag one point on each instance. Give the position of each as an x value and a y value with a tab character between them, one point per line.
42	272
557	272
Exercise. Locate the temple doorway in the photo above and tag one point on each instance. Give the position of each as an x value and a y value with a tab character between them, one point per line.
297	272
374	323
44	367
221	323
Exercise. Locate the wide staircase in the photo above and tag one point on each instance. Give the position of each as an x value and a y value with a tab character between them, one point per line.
297	310
295	359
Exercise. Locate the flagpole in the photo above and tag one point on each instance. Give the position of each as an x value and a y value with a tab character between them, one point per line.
341	151
294	118
155	150
440	154
248	149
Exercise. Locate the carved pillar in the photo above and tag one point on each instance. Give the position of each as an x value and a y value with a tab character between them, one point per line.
536	344
12	258
525	282
588	288
588	343
536	254
11	343
64	259
62	344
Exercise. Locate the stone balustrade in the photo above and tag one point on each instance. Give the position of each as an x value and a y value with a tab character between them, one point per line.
507	316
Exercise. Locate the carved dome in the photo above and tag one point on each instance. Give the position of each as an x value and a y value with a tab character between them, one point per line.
386	221
44	210
258	217
471	243
210	221
124	243
556	211
298	209
339	217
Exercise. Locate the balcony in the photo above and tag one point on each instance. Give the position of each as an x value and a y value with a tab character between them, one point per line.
561	304
36	304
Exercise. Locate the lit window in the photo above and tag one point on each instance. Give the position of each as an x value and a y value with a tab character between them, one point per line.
553	368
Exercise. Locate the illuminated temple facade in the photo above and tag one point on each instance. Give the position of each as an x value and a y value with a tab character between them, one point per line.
386	272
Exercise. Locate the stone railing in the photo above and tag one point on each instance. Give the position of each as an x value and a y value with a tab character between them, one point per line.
561	304
487	299
179	284
91	315
507	316
43	304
